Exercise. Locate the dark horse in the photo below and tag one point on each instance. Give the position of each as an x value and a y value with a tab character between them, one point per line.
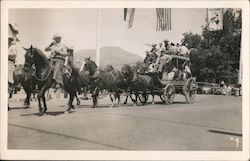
112	80
139	84
35	58
23	76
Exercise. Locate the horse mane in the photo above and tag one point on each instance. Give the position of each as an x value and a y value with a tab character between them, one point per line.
41	54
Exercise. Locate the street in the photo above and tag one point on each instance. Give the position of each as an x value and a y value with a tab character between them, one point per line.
212	123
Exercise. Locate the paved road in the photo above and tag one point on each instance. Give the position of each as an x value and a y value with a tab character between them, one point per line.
211	123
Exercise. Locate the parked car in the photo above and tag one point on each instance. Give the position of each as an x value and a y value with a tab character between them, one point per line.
215	88
202	88
208	88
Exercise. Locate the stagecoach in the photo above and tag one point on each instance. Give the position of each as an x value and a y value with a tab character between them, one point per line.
167	88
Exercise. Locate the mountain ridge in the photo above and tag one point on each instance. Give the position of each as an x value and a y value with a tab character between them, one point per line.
109	55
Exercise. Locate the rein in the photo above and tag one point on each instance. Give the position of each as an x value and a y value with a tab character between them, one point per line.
41	80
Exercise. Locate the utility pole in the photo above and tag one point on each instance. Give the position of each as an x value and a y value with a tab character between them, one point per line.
98	38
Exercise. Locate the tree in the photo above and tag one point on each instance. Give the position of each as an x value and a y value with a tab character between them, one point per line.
193	40
218	52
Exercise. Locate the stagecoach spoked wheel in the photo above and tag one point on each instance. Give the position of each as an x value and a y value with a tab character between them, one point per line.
189	90
143	97
168	94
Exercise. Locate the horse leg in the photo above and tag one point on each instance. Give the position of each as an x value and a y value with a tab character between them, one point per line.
126	100
112	100
136	97
77	101
41	94
10	90
118	99
71	97
27	99
44	105
153	98
135	100
40	106
95	95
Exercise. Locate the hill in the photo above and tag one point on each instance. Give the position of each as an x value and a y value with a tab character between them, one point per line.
115	56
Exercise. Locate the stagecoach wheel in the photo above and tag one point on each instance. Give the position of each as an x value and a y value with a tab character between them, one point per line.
189	90
143	97
168	94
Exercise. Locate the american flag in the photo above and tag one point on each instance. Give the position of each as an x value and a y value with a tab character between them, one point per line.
163	19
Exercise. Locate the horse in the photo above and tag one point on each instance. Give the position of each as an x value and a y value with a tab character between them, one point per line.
112	80
71	84
35	58
139	83
22	76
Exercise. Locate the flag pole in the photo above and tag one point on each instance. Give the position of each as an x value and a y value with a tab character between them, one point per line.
97	38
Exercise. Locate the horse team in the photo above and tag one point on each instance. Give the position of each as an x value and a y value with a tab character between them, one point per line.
38	72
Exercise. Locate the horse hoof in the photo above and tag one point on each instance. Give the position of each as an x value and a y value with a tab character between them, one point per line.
77	106
153	103
43	114
66	112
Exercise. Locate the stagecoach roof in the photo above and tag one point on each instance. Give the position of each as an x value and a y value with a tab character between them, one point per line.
180	57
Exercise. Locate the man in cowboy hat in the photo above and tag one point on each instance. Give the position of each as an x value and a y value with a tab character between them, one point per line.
58	54
12	54
166	44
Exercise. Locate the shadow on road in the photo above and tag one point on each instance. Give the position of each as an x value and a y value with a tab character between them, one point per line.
225	132
18	108
54	113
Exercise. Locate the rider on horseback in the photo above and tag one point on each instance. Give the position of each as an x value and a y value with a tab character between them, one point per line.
58	55
12	53
13	31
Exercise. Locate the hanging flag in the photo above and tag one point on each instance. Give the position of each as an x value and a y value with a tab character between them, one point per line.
163	19
214	19
125	14
129	14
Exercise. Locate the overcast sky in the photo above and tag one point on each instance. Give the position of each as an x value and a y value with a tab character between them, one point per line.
78	28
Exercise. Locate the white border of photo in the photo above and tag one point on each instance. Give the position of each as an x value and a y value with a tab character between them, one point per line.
6	154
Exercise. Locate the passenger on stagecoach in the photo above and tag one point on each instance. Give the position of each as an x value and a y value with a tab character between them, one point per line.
58	54
166	44
161	48
162	60
186	70
184	51
172	49
154	49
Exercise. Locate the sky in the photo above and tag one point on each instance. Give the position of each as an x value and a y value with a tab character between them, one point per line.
79	28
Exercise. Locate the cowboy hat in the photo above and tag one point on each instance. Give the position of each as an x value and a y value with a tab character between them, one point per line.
166	40
71	48
14	28
56	36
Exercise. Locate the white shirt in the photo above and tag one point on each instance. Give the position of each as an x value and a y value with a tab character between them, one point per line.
183	50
